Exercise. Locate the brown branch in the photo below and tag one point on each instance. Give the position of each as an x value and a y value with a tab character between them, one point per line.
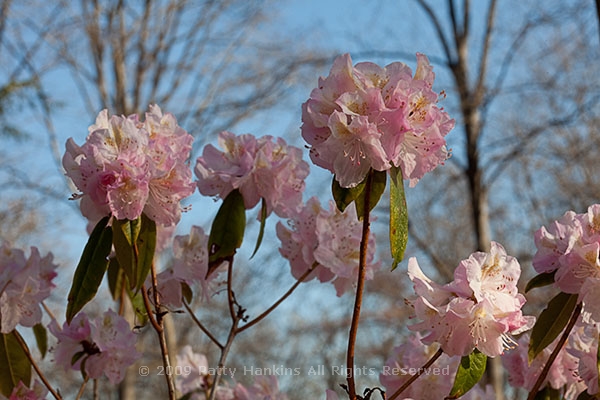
35	366
557	349
362	268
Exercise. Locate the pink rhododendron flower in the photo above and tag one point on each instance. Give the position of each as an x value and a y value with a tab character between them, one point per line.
127	167
194	379
190	266
366	116
264	387
570	248
106	343
22	392
259	168
328	240
404	362
24	284
479	309
563	372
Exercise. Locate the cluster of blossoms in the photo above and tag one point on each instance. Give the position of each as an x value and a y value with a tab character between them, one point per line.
570	249
105	345
365	117
327	241
562	373
434	383
190	266
480	309
196	380
24	284
259	168
127	166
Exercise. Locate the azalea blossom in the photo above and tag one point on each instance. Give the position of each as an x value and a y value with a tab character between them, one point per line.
479	309
193	380
365	116
329	242
189	266
563	372
264	168
24	283
570	248
106	344
404	362
127	166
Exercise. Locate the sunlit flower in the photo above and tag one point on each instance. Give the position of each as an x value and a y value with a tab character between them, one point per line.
24	283
127	167
105	345
264	168
479	309
329	241
368	117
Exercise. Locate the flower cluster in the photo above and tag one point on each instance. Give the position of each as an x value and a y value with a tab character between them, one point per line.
128	166
365	117
24	283
563	372
105	345
259	168
412	354
479	309
195	380
434	383
570	249
329	242
189	266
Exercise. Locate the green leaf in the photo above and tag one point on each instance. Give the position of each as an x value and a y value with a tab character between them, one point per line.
551	322
186	292
345	196
543	279
137	303
14	364
91	268
41	338
145	248
398	217
125	234
135	243
227	230
378	181
470	370
548	394
115	276
263	219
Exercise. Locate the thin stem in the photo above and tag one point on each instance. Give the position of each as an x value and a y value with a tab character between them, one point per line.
281	299
96	396
161	335
202	327
557	349
48	311
364	242
236	317
35	366
148	307
420	372
82	388
230	295
224	353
